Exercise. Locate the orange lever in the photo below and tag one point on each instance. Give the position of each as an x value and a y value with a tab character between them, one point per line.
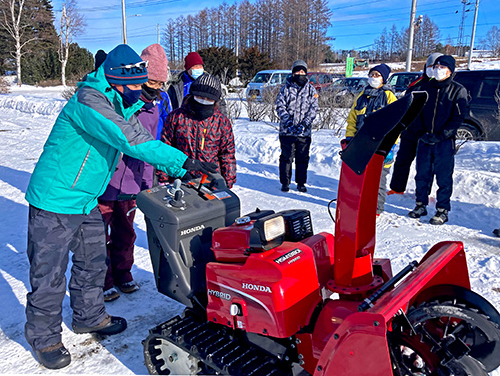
203	180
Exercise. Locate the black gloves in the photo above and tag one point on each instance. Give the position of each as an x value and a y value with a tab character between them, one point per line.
194	165
431	138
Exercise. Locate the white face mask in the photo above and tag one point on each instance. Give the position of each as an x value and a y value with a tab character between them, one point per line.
206	102
195	73
374	82
440	73
429	72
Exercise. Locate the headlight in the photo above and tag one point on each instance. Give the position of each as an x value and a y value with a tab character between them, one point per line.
274	227
268	232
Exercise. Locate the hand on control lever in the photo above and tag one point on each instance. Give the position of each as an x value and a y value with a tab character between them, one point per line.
194	165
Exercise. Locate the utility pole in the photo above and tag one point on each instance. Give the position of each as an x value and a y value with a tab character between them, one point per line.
410	38
471	49
124	23
158	32
460	43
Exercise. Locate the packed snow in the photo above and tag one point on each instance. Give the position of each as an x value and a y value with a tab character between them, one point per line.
26	118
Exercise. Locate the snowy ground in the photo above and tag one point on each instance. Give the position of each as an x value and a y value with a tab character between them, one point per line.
26	118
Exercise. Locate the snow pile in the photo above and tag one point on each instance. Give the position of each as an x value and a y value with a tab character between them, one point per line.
32	105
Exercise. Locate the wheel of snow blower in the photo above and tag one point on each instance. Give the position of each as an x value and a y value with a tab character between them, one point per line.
442	339
484	343
164	358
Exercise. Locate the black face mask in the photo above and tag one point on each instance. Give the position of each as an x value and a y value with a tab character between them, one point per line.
202	111
149	93
300	79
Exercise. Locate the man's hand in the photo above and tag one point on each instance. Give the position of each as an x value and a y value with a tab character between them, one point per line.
431	138
194	165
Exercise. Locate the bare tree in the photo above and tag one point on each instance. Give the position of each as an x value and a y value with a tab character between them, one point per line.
492	41
19	26
72	24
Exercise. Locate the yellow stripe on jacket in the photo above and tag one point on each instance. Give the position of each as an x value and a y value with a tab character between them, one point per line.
353	114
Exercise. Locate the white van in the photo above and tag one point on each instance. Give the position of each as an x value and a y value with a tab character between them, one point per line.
264	79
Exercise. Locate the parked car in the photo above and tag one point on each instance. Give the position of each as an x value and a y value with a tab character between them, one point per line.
321	80
265	79
401	80
343	91
482	118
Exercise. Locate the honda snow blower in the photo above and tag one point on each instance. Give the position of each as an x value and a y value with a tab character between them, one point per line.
264	294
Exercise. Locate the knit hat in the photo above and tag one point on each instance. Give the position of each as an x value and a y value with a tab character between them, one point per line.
100	56
207	86
432	58
384	71
447	61
192	59
123	66
298	65
157	62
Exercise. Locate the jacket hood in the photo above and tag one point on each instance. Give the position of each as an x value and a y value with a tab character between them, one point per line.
97	81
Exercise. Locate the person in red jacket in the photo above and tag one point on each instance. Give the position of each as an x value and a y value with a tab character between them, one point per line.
199	129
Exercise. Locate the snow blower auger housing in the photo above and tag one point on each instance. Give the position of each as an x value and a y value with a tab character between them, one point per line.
265	294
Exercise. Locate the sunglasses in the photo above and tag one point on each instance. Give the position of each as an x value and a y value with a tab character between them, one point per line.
140	64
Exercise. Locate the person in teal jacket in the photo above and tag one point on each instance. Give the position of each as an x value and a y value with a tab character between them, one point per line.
78	160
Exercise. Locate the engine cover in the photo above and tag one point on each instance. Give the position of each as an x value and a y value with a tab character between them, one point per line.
272	293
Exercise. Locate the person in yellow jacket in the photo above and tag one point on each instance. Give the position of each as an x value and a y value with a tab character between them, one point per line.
375	96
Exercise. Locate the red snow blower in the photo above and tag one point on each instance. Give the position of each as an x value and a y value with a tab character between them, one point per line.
265	295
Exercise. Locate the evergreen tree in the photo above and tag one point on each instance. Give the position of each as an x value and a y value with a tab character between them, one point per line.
252	61
219	61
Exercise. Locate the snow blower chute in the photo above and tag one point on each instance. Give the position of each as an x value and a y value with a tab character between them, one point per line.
265	294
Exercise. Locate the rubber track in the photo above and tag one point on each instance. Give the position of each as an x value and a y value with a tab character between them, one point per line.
222	353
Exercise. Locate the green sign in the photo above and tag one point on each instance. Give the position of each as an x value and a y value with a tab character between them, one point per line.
349	65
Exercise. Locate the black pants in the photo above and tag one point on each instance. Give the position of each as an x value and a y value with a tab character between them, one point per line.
405	156
435	160
50	238
298	148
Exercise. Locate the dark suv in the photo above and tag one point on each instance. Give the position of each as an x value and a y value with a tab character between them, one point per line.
482	119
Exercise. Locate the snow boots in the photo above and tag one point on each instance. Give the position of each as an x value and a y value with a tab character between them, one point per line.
419	211
54	357
440	217
109	326
301	188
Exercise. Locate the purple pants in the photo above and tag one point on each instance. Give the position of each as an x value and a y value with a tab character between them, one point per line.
120	238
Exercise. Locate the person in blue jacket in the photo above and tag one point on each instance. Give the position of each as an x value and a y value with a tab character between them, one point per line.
78	160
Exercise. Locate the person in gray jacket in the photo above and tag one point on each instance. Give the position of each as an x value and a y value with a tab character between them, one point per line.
296	105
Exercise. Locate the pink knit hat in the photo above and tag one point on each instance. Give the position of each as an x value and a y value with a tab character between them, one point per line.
158	62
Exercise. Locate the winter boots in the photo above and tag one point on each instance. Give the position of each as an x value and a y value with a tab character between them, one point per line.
54	357
285	188
109	326
440	217
419	211
111	294
301	188
129	287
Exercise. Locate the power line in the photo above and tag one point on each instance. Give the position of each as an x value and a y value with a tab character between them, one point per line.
137	4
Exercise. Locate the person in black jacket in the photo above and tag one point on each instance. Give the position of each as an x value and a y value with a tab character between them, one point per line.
409	138
441	116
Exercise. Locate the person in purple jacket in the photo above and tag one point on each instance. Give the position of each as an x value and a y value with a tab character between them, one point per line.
130	177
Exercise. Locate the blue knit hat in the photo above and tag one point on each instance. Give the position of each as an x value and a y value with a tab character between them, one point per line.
124	66
384	71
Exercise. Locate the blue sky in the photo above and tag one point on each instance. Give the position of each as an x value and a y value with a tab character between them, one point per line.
355	23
